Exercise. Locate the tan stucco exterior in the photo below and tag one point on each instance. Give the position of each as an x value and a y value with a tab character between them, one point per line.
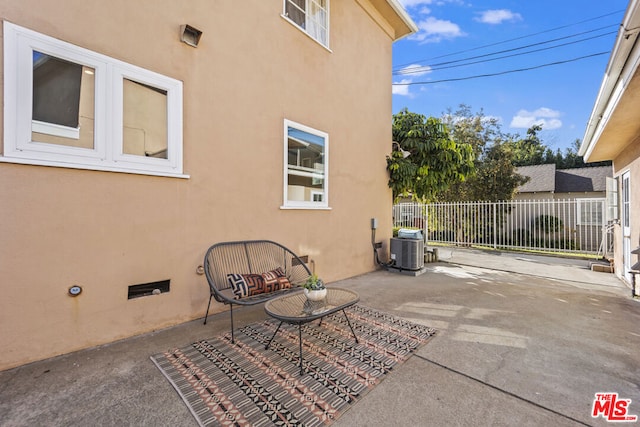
628	161
106	231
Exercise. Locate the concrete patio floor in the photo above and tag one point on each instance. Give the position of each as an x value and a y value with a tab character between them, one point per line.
522	340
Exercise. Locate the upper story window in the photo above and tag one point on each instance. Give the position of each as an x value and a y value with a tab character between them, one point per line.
306	160
70	107
312	16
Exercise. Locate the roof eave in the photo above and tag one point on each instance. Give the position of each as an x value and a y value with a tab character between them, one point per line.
611	88
411	26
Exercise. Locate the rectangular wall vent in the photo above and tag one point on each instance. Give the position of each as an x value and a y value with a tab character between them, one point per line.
146	289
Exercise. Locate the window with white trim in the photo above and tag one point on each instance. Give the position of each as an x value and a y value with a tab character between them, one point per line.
311	16
306	154
591	211
70	107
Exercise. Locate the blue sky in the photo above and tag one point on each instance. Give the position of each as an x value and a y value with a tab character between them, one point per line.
454	33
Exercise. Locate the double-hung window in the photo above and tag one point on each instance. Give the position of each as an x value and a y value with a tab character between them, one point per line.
306	155
70	107
591	211
311	16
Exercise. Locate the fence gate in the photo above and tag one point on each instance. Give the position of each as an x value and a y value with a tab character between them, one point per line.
575	226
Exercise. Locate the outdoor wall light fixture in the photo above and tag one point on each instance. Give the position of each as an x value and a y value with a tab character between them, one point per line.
190	35
405	153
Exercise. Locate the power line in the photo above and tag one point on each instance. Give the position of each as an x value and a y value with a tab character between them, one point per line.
414	70
420	70
513	39
502	72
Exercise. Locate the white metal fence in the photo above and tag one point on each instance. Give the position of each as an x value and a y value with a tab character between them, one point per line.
564	225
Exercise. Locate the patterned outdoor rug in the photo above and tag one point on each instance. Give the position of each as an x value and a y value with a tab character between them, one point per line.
244	384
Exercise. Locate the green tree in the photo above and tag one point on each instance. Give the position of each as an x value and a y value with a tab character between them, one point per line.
496	178
530	150
434	160
571	159
469	128
495	175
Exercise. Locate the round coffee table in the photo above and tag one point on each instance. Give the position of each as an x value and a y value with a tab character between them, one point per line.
297	309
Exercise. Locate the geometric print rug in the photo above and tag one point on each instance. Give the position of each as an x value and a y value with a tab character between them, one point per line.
244	384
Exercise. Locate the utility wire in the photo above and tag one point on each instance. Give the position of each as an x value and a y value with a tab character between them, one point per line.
414	70
420	70
502	72
513	39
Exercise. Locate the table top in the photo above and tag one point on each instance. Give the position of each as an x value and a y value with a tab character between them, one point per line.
296	308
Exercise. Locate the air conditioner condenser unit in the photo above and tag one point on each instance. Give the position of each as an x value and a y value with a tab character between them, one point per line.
407	254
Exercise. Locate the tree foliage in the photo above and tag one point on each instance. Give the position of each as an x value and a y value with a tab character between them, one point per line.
435	161
532	151
465	156
496	177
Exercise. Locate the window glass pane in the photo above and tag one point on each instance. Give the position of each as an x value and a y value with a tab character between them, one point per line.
305	166
317	21
310	15
590	212
144	120
294	10
63	102
625	201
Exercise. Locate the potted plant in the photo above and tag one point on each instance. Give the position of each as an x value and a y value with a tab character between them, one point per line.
314	288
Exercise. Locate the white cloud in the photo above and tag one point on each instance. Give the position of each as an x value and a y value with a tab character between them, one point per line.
414	70
545	117
498	16
402	89
433	30
413	3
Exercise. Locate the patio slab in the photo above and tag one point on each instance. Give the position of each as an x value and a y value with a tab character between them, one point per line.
514	347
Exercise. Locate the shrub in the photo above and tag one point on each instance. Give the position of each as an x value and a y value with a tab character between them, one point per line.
547	224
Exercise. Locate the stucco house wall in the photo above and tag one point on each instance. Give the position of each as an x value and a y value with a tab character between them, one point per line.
628	162
253	69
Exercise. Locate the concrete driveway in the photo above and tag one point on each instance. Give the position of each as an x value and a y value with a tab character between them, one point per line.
521	341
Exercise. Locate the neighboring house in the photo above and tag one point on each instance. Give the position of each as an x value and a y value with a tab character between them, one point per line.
576	197
137	134
613	133
541	183
547	182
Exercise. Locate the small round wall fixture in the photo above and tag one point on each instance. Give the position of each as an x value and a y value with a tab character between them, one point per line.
74	291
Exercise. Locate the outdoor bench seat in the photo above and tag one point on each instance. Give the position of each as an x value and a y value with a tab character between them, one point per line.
226	261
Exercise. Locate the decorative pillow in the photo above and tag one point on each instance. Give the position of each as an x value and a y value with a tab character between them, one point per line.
275	280
246	285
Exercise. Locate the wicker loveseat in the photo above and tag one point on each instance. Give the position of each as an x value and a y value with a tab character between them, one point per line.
251	272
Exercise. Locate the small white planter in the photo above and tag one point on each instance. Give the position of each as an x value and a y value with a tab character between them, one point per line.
317	295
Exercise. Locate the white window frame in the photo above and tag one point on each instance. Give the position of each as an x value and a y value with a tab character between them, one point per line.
293	204
613	207
625	220
591	202
325	43
107	152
